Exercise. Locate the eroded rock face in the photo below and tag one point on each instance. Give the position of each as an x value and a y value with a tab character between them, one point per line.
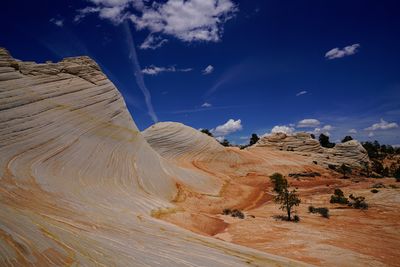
351	152
78	181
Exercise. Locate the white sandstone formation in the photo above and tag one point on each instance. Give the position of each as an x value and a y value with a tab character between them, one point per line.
351	152
78	181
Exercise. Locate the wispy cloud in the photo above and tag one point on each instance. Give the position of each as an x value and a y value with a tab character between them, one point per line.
138	72
301	93
225	78
382	125
206	105
353	131
153	42
154	70
208	70
57	22
339	53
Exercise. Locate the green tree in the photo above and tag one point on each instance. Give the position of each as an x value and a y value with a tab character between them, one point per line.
278	181
207	132
347	138
324	141
254	139
225	142
287	199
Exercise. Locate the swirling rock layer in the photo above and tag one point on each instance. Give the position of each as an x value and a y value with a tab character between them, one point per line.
78	181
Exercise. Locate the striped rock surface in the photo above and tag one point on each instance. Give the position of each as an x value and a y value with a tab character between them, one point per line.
78	181
351	152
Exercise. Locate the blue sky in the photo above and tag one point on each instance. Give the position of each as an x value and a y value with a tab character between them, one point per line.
236	67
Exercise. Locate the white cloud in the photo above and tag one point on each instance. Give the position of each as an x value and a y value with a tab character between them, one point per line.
208	70
382	125
154	70
307	123
220	138
325	130
206	105
282	129
57	22
301	93
353	131
229	127
371	134
187	20
153	42
190	20
339	53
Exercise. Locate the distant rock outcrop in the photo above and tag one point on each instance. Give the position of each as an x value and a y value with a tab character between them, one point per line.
351	152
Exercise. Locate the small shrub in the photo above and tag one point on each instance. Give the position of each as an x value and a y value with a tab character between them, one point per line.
358	202
226	212
234	213
338	197
237	213
324	212
374	191
332	167
296	218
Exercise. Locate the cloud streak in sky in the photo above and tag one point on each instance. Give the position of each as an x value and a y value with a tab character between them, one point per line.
138	72
301	93
154	70
344	52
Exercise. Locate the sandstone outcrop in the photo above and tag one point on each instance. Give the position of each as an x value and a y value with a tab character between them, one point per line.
351	152
78	181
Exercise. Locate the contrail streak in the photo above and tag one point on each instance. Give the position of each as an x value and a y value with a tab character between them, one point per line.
138	72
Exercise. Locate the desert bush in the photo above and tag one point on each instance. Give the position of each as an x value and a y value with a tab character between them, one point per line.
234	213
296	218
374	191
347	138
324	212
226	212
332	167
324	141
358	202
338	197
207	132
237	213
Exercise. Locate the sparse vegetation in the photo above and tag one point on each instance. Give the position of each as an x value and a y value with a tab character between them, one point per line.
374	191
324	141
338	197
358	202
278	181
254	139
207	132
347	138
397	174
225	142
234	213
324	212
287	199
